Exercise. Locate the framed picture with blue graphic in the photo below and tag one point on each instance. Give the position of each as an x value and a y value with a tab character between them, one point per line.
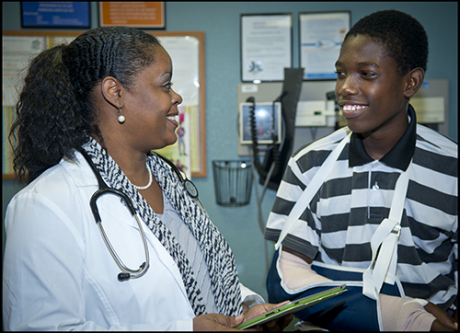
266	46
55	14
321	35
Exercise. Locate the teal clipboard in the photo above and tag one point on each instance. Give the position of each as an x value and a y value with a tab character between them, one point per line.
292	307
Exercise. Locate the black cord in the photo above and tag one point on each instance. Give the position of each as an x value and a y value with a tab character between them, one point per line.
255	148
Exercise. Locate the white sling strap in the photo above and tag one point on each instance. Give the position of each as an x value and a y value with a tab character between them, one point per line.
383	266
313	187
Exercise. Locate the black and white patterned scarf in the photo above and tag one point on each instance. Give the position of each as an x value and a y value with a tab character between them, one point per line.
216	252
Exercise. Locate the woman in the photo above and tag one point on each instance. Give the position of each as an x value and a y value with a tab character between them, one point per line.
107	97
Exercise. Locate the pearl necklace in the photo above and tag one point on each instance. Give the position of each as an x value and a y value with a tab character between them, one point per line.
140	188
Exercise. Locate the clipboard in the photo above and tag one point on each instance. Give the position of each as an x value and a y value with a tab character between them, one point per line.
294	306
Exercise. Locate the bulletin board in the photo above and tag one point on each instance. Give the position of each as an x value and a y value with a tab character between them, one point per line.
187	51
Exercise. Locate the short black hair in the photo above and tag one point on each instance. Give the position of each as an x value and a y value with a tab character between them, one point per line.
402	35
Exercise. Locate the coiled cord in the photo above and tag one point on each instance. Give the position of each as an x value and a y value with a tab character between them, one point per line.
255	148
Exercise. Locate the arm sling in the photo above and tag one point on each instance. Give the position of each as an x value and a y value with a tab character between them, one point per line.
349	311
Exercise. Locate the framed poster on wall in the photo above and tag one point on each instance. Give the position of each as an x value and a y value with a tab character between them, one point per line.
54	14
266	46
321	36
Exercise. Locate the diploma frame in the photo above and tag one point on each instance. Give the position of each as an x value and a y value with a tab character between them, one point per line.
321	52
255	66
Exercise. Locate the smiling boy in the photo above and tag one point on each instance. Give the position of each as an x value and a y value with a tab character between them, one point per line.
381	65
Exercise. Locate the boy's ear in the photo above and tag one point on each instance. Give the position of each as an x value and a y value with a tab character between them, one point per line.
414	81
113	91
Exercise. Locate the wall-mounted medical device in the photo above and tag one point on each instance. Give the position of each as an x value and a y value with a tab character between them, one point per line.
267	121
315	113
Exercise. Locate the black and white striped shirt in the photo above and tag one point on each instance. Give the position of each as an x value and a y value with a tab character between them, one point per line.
337	226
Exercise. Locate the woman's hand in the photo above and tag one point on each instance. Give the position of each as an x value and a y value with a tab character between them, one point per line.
443	321
216	322
273	325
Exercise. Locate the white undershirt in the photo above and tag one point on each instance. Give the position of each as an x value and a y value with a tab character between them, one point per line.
192	250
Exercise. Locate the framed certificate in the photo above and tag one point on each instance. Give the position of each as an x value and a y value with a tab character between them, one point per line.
54	14
148	14
266	46
321	36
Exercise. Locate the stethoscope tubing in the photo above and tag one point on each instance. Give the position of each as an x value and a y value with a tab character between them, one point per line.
133	274
128	273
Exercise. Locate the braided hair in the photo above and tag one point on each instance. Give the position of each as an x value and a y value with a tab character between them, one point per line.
55	112
403	37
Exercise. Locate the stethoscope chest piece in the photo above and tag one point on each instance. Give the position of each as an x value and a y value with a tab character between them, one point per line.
187	183
191	188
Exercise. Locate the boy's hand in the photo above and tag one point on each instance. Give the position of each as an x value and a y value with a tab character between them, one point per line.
443	321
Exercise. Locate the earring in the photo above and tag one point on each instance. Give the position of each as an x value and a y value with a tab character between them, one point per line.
121	118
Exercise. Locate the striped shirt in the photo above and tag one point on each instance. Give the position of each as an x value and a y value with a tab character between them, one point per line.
356	196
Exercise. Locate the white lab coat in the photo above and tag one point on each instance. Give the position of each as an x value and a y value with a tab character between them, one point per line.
59	275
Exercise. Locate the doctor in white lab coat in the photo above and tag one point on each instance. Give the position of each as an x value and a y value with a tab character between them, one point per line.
60	275
108	94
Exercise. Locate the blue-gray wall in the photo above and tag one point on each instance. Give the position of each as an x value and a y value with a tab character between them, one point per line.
220	22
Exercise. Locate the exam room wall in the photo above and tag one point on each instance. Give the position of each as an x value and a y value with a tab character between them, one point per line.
220	22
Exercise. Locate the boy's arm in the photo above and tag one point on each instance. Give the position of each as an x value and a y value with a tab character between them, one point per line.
296	270
397	313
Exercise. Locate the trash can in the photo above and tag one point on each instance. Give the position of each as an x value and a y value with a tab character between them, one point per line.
232	182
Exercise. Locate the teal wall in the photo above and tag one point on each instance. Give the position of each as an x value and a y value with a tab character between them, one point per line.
220	22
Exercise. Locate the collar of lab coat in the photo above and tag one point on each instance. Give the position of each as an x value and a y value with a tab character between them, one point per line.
80	170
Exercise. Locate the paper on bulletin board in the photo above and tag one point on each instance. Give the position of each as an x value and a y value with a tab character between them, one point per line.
180	152
184	53
8	119
195	138
18	51
53	41
17	55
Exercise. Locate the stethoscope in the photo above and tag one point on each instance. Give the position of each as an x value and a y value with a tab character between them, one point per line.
127	273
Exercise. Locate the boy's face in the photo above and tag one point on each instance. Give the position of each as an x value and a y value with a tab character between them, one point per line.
369	89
